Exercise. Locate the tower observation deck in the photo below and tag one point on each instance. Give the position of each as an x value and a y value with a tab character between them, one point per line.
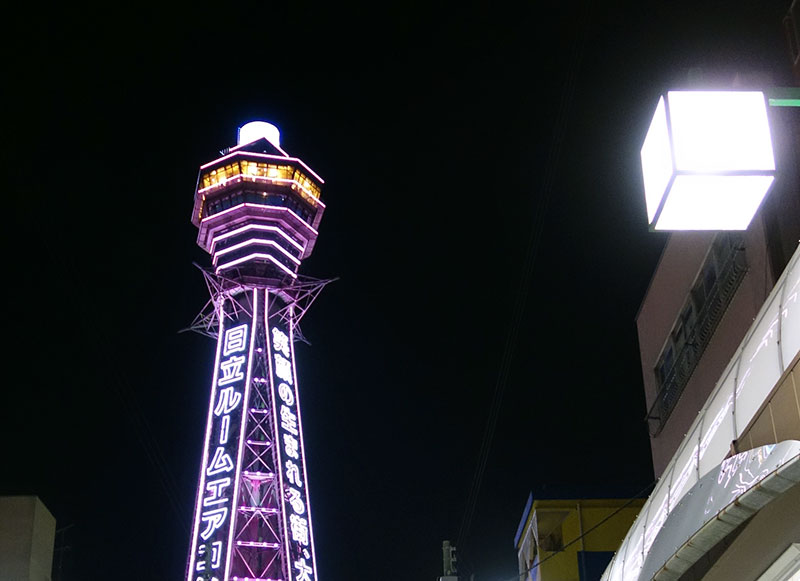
257	210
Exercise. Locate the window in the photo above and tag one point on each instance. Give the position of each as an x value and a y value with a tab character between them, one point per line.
713	289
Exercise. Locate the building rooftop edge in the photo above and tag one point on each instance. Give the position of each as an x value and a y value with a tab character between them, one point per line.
525	514
532	504
652	278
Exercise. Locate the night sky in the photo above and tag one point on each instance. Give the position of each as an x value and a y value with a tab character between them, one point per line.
485	219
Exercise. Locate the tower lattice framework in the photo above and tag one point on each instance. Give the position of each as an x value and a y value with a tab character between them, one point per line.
257	210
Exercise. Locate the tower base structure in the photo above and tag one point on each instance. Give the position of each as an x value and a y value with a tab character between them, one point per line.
252	519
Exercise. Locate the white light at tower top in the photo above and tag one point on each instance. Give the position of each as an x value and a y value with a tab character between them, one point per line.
707	160
249	132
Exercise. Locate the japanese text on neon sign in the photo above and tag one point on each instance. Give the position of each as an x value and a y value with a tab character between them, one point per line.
218	474
295	494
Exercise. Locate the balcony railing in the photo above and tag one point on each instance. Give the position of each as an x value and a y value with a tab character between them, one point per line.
732	268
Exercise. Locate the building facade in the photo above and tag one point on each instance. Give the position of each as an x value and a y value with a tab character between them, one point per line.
571	539
705	293
27	538
719	338
726	450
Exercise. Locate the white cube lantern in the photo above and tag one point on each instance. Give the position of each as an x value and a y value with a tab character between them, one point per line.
707	160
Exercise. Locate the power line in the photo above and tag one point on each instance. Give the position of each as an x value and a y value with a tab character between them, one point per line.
586	532
540	212
146	438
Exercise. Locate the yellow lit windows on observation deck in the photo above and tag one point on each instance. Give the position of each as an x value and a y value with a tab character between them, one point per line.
254	171
307	187
270	171
220	175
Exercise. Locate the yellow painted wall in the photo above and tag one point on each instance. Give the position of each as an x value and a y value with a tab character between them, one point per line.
563	565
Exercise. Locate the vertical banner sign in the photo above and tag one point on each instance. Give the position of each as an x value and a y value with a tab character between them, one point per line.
298	537
214	513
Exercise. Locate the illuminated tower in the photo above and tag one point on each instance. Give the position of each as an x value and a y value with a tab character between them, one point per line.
257	210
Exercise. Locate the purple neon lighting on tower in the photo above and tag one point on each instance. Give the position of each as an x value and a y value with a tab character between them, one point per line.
256	227
252	519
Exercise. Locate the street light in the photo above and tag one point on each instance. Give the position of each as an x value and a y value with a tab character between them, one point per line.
707	160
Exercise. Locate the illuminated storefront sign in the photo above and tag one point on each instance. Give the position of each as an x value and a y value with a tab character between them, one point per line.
720	500
214	513
298	536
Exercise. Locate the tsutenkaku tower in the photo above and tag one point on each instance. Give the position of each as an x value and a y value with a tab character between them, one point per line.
257	210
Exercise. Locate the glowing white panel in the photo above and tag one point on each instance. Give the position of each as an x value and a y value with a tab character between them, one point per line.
717	430
659	509
759	368
615	568
633	555
619	559
656	160
684	471
249	132
719	131
707	160
790	311
706	202
631	550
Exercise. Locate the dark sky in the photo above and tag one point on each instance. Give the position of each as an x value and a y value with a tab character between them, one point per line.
485	219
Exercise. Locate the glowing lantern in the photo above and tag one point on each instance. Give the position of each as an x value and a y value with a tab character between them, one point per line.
707	160
256	130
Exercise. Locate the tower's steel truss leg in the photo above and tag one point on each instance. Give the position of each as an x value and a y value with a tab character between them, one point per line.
267	534
295	299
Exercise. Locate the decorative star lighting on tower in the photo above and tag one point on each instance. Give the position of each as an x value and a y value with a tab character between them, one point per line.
707	160
257	210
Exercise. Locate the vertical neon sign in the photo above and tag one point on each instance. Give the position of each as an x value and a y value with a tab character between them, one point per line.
297	530
216	499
